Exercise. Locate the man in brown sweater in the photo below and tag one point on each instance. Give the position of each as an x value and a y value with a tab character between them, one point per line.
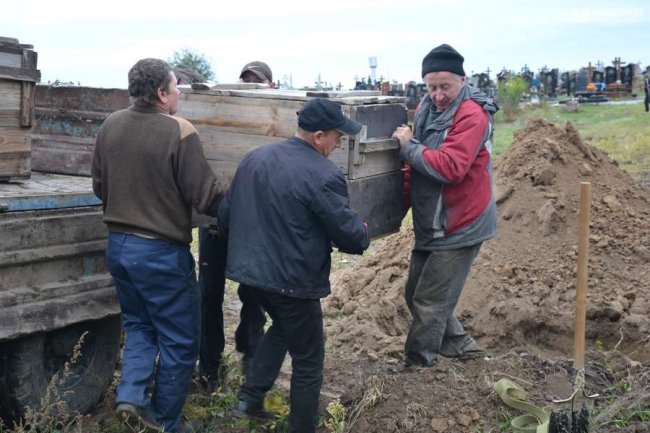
149	170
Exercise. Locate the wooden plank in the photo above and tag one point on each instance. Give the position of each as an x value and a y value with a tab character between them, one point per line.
11	58
52	268
67	121
378	145
27	104
339	94
41	230
47	191
373	151
29	60
296	95
15	153
240	86
14	140
10	92
230	146
9	119
272	118
14	166
58	310
62	154
373	163
20	74
380	120
78	100
7	41
378	199
20	204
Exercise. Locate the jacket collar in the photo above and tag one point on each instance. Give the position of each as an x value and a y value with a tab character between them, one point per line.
446	118
143	107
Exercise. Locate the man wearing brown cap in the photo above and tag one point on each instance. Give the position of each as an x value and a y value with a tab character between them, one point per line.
449	186
256	72
291	204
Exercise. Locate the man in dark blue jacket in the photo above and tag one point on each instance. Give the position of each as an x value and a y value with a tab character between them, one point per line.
286	206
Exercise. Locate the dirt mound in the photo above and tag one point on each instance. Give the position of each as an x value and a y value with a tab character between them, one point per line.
521	289
367	301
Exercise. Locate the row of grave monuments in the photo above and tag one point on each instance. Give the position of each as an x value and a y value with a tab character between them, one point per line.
618	81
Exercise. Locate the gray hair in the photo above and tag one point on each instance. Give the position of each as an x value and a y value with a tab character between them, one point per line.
146	77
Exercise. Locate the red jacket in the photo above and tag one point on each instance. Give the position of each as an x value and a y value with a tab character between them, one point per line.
448	171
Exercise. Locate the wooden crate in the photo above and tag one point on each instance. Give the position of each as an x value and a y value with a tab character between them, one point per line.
18	75
232	121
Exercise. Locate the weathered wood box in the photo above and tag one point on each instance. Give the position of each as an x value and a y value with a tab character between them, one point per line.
232	122
67	120
18	75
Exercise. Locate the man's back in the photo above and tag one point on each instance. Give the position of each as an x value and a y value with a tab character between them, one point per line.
288	203
149	171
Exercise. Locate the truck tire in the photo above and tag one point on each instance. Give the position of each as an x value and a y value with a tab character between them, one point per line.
29	364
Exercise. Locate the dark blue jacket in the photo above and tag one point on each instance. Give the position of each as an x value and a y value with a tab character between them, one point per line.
285	207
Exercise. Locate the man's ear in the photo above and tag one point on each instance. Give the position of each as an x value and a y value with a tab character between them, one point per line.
162	95
318	136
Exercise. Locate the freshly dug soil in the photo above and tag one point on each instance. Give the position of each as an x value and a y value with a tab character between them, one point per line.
518	302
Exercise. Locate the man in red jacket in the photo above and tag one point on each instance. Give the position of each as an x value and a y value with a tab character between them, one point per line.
449	174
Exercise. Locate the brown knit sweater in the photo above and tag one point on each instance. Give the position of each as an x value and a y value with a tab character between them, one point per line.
149	170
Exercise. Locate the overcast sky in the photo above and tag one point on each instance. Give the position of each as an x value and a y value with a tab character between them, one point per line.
95	43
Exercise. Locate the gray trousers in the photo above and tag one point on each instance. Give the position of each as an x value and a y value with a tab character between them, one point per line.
434	285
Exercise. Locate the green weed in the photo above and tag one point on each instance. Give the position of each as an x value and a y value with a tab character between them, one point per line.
506	419
335	423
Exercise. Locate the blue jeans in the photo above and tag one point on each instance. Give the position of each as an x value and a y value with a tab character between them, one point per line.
297	328
158	293
434	285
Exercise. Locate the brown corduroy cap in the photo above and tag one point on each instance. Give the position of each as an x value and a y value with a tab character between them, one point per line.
260	69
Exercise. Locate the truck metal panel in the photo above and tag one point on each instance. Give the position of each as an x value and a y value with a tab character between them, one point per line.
52	267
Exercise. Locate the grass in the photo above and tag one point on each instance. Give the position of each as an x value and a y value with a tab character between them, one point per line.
623	131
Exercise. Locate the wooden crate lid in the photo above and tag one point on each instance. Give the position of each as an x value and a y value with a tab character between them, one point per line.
18	61
250	90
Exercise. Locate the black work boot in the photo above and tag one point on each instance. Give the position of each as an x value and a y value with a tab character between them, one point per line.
244	409
466	349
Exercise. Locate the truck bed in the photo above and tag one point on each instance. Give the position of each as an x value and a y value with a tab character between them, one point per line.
52	267
47	191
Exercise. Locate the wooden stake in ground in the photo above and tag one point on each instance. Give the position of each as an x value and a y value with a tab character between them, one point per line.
576	419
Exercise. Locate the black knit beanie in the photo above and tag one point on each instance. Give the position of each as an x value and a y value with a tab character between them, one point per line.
443	58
